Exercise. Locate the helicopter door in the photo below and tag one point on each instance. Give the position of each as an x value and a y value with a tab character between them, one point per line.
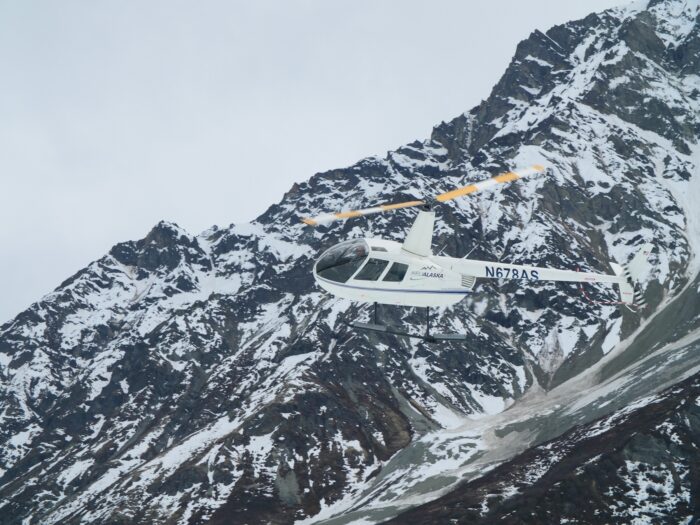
396	273
372	270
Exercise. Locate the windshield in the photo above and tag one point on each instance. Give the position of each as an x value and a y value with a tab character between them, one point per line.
340	262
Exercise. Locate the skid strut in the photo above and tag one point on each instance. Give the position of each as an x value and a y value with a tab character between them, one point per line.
376	326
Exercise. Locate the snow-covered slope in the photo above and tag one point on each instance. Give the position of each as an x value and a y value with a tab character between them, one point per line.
205	378
638	465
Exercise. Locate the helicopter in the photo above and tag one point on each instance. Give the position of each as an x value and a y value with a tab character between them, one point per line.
380	271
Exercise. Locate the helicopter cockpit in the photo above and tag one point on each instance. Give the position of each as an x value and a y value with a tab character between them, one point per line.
340	262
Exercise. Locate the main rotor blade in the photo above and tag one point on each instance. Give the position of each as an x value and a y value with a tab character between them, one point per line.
330	217
498	179
466	190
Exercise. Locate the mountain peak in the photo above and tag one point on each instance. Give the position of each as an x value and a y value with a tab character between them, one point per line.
166	231
164	247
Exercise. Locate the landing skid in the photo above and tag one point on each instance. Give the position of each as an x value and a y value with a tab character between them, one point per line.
376	326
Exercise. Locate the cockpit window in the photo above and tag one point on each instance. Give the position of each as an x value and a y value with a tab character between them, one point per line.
372	270
342	260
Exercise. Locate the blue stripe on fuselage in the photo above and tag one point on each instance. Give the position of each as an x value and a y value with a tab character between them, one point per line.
463	292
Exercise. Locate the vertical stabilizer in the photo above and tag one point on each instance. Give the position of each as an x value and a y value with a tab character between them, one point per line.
627	294
420	236
632	275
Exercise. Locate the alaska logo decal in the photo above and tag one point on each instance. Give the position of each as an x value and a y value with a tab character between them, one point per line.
427	272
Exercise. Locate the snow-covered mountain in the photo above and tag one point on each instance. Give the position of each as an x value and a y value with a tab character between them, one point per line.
196	379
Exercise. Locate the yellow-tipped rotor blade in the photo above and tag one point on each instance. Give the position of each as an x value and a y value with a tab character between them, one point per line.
466	190
498	179
330	217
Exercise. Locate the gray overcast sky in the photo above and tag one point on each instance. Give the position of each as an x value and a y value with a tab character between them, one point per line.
114	115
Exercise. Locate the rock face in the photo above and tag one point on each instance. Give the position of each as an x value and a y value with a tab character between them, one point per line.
638	465
193	379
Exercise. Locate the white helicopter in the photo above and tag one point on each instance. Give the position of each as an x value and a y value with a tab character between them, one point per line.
380	271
